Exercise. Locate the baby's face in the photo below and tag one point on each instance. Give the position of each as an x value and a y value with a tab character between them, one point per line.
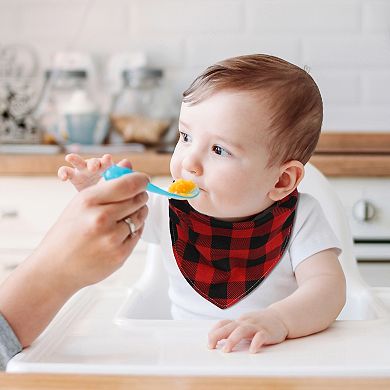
222	149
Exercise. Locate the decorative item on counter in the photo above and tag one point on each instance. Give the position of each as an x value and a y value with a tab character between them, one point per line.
69	110
19	94
143	110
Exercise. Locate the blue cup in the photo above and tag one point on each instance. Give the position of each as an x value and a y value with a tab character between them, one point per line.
81	127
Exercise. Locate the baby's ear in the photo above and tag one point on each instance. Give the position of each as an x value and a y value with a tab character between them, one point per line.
290	175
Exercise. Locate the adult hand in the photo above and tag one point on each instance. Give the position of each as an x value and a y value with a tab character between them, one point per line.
88	242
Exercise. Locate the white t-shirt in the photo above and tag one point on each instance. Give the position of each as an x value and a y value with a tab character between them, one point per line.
311	234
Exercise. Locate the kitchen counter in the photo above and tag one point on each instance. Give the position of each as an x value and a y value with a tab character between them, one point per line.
353	154
337	154
97	382
150	162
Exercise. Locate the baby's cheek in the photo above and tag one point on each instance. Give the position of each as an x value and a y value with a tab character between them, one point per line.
174	168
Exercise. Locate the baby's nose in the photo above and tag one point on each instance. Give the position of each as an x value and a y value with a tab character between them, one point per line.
192	164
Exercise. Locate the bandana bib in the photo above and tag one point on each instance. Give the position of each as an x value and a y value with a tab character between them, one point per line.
225	261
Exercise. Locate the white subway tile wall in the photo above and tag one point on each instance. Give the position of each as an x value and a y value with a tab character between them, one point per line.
345	43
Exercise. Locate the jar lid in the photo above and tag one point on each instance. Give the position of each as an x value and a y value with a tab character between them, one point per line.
76	73
141	74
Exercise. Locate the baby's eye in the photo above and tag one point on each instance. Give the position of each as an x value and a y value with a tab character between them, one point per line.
184	136
220	151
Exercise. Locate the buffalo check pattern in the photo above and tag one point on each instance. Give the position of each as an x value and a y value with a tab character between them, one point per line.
225	261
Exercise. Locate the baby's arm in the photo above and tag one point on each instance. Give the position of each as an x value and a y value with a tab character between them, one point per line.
313	306
86	173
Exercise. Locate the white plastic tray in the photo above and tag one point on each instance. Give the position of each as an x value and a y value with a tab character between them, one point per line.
84	338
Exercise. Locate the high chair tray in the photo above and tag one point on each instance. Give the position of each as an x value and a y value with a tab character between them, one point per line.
83	338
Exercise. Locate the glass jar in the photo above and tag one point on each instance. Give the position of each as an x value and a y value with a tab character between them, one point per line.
68	110
143	110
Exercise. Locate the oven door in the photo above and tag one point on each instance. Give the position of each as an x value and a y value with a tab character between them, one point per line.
372	250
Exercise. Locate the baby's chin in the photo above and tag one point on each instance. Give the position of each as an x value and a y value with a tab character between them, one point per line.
201	206
229	213
207	209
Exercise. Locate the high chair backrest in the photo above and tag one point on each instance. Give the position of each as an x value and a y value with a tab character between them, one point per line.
317	185
361	301
149	297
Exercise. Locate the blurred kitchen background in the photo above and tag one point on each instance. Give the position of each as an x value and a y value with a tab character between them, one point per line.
112	71
345	44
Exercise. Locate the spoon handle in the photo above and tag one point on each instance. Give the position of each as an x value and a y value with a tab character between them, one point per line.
116	171
157	190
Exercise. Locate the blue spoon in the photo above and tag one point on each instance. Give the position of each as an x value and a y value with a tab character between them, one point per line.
116	171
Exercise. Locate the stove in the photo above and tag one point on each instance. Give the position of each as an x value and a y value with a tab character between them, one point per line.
367	203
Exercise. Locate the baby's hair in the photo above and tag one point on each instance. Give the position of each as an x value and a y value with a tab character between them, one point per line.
292	95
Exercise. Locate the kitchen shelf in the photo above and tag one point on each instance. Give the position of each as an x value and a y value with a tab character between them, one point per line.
337	155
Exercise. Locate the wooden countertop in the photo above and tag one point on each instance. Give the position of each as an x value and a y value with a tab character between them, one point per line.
337	154
149	162
97	382
353	154
352	165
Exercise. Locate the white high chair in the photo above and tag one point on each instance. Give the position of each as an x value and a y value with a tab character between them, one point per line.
96	333
148	299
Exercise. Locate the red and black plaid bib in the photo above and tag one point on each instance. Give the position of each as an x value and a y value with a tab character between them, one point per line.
225	261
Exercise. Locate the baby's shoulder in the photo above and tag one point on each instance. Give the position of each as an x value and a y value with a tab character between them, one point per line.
308	209
307	203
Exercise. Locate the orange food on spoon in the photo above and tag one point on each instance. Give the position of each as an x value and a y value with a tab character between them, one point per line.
182	187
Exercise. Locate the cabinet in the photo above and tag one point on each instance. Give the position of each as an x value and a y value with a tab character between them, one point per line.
28	207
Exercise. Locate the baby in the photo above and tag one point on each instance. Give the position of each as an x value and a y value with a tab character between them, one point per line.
249	250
